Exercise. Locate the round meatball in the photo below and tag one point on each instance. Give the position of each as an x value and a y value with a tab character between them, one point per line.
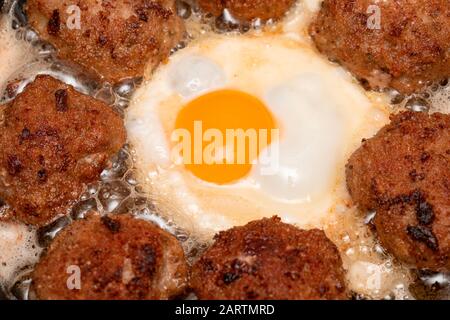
54	141
403	44
111	258
404	174
268	259
115	39
248	10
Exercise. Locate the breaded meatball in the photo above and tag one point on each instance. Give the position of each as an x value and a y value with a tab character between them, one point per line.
53	141
118	258
248	10
268	259
116	39
402	44
404	174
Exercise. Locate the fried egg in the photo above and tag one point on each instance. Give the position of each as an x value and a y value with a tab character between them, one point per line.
299	117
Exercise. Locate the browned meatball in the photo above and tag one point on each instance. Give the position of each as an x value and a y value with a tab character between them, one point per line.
404	174
119	258
410	49
248	10
116	39
53	141
268	259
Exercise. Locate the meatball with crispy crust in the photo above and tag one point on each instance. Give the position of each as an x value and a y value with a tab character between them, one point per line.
115	39
53	141
248	10
268	259
404	174
119	258
402	44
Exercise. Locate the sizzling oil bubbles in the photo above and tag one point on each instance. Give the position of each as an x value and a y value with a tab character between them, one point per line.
14	51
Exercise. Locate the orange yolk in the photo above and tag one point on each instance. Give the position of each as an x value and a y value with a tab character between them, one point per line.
227	131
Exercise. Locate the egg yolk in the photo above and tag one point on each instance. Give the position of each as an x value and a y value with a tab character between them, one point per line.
224	133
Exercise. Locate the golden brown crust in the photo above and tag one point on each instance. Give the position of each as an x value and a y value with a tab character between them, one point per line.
267	259
119	258
404	174
118	39
411	49
53	141
248	10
